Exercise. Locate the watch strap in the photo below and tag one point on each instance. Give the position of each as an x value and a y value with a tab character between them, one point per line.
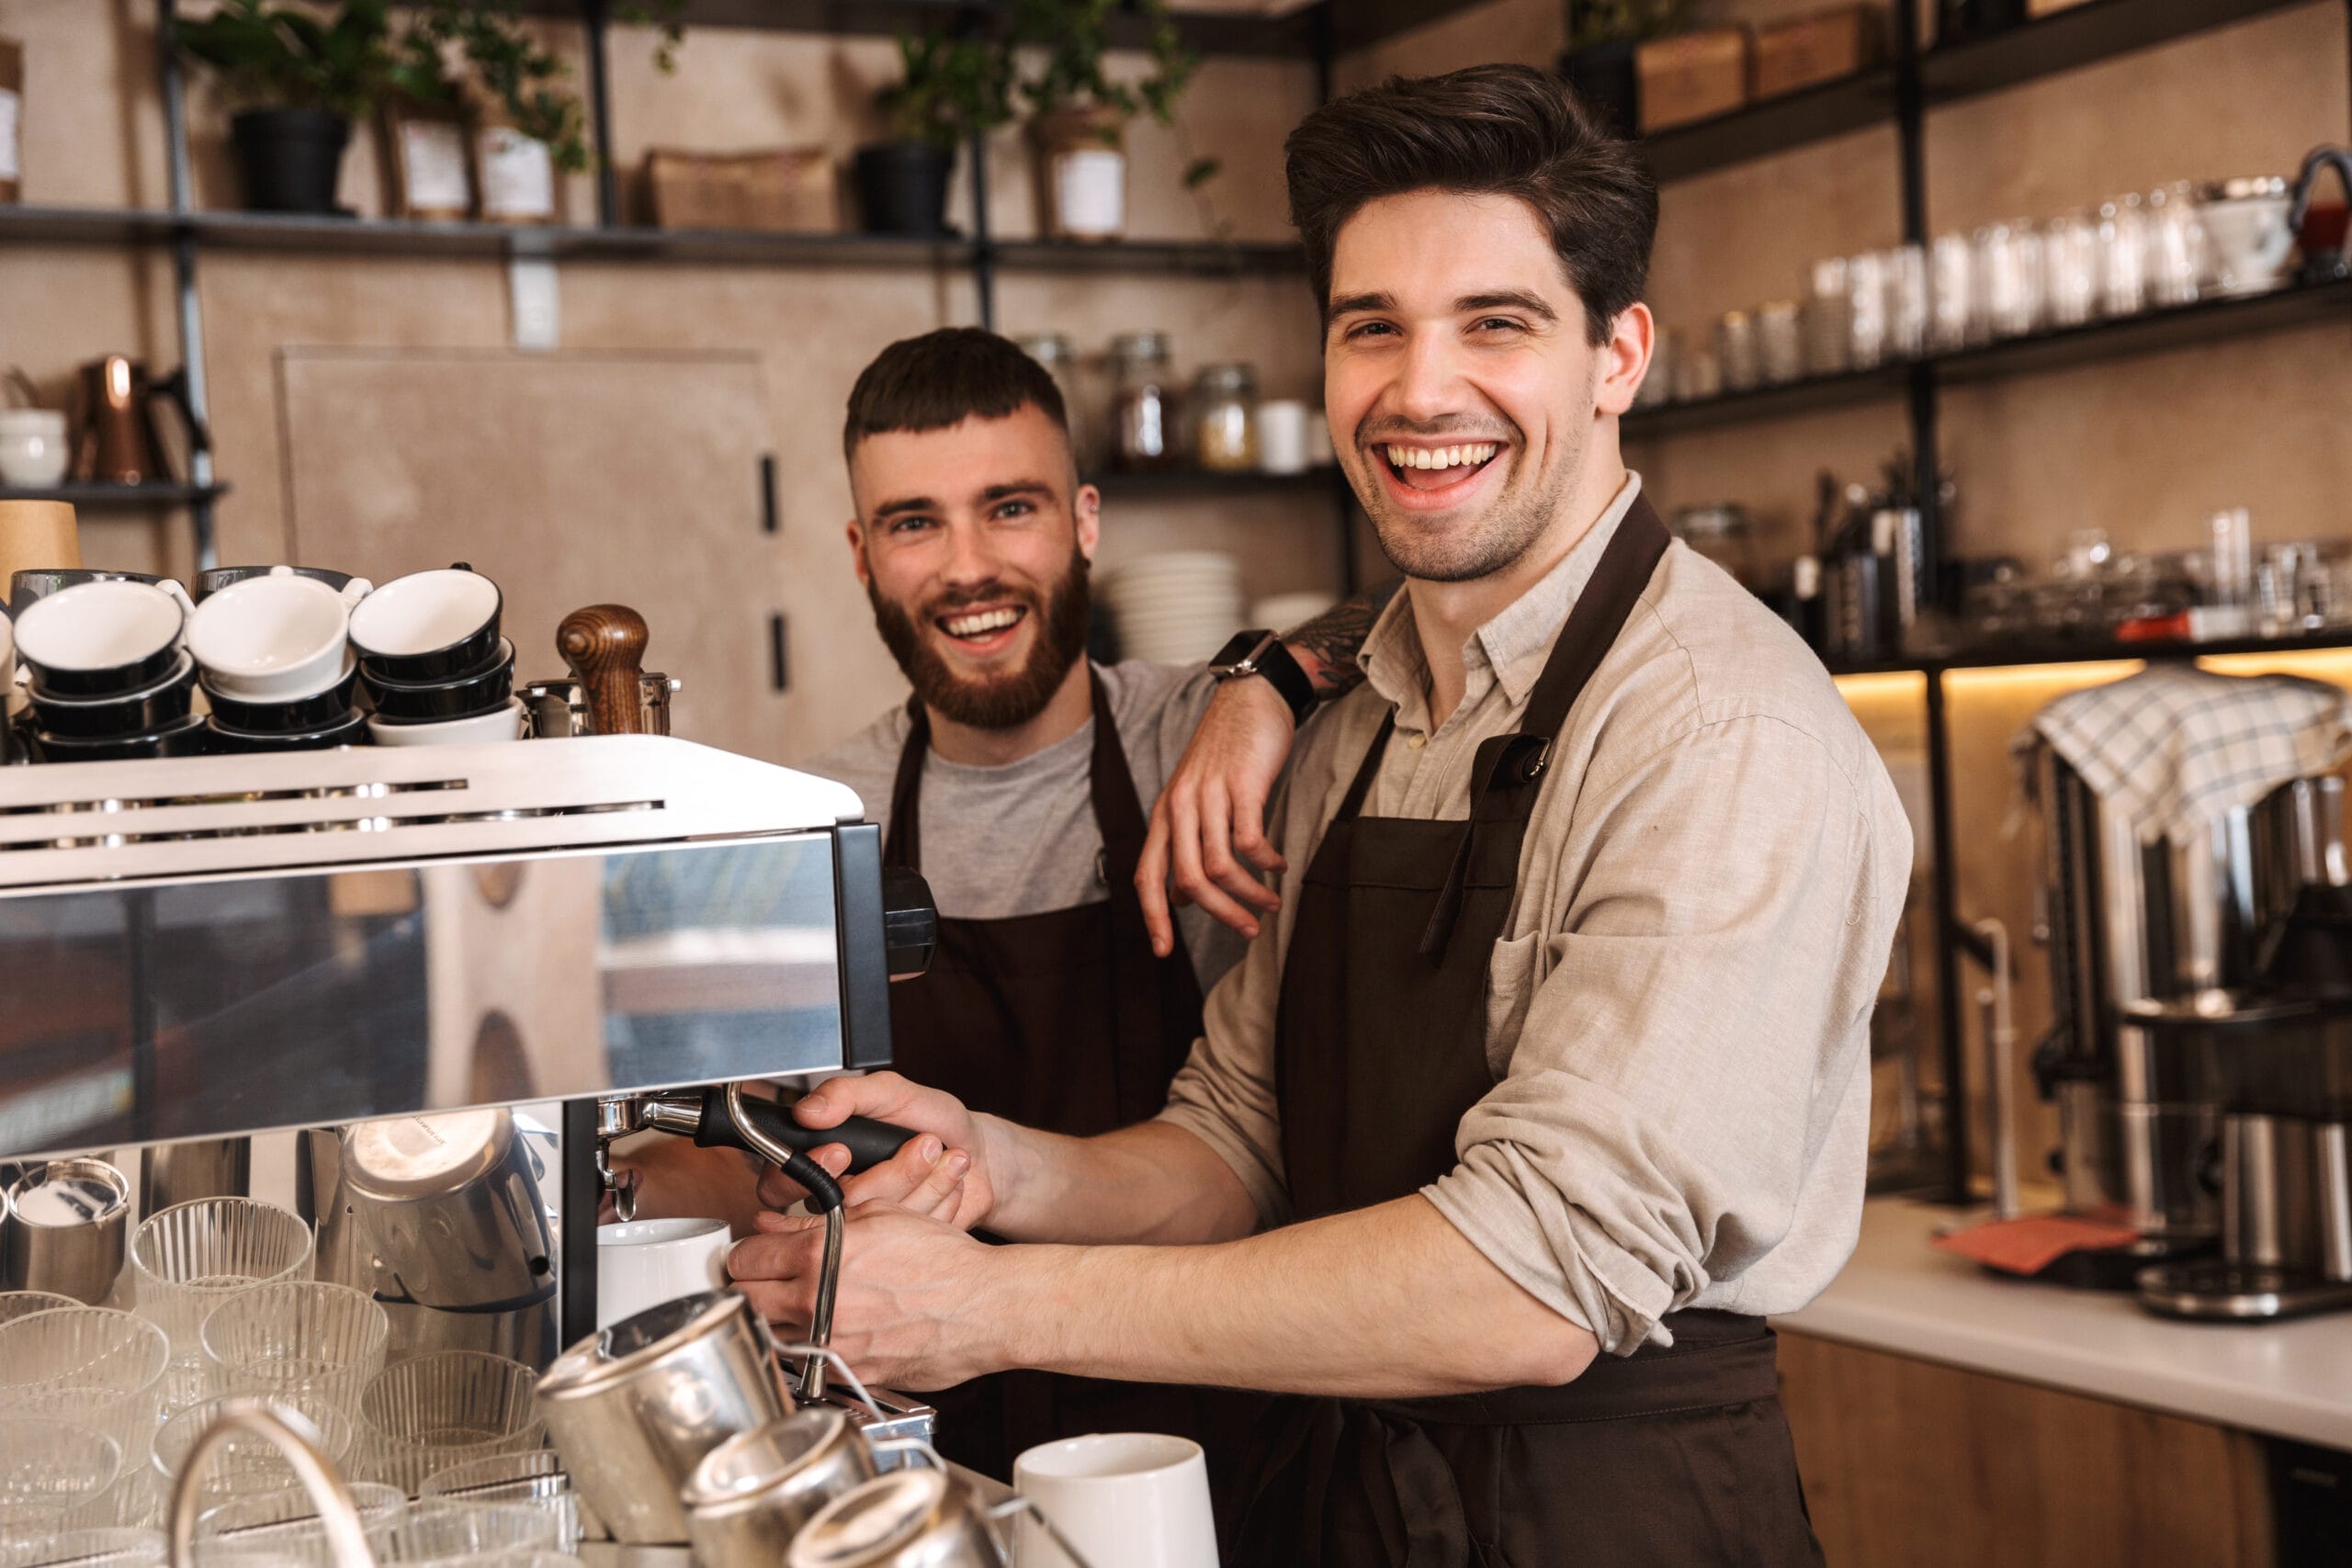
1257	652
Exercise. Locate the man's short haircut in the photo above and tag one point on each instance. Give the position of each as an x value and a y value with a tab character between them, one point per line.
1489	130
942	378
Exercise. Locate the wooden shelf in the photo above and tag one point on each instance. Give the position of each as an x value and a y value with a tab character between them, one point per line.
91	497
2208	321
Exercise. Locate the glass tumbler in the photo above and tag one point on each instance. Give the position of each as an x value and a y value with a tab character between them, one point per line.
437	1532
431	1412
2008	279
188	1259
105	1546
284	1527
91	1366
1866	317
2122	257
49	1472
245	1464
1829	318
1952	321
296	1337
2070	269
15	1304
533	1480
1906	302
2175	251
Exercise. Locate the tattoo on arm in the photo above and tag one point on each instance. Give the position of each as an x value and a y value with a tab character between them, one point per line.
1325	646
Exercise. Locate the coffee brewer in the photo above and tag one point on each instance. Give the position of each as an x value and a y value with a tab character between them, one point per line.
2197	1073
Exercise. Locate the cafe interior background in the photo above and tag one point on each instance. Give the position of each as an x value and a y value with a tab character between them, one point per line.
610	395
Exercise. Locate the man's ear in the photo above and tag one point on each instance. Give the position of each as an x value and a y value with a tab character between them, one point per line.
857	552
1625	359
1088	505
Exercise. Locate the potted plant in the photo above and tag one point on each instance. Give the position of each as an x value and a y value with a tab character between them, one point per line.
948	91
1079	114
301	82
1603	36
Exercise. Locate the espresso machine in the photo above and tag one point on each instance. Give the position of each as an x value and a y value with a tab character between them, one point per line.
447	970
2200	1078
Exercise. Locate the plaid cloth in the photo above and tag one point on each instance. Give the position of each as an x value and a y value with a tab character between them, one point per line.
2174	748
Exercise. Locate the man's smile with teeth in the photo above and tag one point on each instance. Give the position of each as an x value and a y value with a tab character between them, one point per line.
1469	455
981	622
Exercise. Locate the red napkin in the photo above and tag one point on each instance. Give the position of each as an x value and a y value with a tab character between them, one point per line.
2029	1245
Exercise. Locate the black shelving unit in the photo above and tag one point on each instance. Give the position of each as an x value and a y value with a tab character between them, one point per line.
1917	81
2015	656
91	497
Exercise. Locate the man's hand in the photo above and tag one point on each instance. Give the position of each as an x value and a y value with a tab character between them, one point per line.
1214	808
947	1132
908	1311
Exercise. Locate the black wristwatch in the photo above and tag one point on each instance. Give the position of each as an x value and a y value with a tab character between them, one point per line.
1260	653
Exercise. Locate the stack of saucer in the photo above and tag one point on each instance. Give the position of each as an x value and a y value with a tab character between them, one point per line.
1176	608
111	678
433	662
274	652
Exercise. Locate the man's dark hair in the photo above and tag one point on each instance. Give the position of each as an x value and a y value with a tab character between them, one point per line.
1491	130
943	378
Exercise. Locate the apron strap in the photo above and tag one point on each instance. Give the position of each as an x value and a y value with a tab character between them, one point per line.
1508	765
902	845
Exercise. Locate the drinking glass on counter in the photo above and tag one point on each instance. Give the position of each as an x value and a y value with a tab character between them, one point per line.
245	1464
190	1259
1224	418
2176	255
434	1411
295	1336
91	1366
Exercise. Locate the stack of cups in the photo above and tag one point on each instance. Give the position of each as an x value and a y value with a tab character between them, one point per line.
111	677
433	662
272	644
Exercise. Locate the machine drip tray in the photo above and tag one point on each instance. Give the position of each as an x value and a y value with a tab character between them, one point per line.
2218	1292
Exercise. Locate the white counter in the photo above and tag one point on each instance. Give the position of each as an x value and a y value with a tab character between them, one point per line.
1898	1294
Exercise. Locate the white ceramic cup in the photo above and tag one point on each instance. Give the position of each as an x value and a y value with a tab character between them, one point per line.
275	638
1125	1499
1281	437
93	626
642	1263
2247	242
508	721
33	452
423	612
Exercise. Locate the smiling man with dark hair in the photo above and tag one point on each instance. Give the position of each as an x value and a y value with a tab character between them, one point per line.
1548	1080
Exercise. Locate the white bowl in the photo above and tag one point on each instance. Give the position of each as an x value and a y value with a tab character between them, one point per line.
502	723
33	450
272	639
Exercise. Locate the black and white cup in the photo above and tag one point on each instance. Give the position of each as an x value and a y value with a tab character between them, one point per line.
102	639
433	701
149	708
276	639
429	628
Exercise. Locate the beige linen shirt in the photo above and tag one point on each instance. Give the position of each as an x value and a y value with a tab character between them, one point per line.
1678	1019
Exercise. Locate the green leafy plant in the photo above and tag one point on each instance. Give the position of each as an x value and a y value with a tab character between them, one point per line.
1592	23
362	60
1074	35
949	89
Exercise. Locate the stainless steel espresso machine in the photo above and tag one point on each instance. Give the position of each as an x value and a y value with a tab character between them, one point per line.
392	950
2200	1057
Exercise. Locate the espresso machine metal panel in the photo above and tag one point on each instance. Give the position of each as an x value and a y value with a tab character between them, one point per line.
228	945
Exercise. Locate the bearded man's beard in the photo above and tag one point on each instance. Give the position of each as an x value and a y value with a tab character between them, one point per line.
1005	701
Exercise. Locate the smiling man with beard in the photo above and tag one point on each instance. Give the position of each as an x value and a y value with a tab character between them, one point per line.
1017	779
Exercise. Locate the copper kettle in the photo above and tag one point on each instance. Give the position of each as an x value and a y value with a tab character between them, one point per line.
119	442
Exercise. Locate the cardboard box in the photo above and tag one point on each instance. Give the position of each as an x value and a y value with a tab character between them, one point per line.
1824	46
1695	75
789	190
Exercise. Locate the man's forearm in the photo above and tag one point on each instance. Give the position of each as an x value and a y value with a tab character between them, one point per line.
1388	1302
1152	1184
1325	646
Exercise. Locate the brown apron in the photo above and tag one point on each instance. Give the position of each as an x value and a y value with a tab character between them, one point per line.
1669	1457
1067	1021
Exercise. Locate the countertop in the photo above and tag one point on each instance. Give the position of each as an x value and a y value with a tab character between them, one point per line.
1898	1294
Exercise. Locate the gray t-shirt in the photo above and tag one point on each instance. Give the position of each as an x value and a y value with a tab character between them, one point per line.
1021	838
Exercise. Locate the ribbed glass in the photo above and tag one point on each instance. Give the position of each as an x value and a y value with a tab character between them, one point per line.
426	1415
190	1259
50	1470
91	1366
246	1464
297	1336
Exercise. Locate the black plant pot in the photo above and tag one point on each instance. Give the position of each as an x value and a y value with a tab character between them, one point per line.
291	159
1603	77
902	187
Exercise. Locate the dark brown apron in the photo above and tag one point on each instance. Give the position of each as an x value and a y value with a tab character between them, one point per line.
1067	1021
1670	1457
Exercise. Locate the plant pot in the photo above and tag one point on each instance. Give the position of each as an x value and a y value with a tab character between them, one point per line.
1081	165
291	159
1603	77
902	187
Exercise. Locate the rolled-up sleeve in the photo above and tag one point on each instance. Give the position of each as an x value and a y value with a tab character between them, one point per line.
1682	1030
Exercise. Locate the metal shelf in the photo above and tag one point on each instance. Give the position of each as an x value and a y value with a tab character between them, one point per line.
1200	481
1289	34
2207	321
92	497
2011	656
1776	125
1199	258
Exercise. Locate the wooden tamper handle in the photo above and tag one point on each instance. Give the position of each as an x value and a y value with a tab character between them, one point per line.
604	645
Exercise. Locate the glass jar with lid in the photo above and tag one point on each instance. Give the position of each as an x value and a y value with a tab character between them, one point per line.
1053	353
1225	418
1721	533
1143	406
